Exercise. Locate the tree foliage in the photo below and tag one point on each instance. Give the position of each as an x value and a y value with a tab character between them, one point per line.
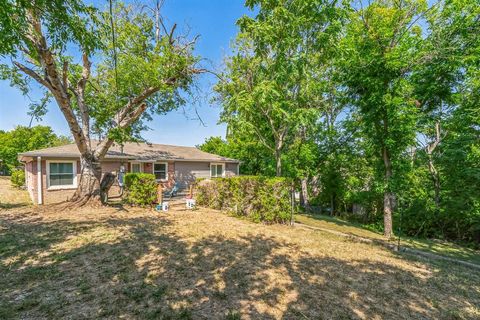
273	83
22	139
381	104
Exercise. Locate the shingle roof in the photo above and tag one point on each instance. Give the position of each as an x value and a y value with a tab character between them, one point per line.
132	151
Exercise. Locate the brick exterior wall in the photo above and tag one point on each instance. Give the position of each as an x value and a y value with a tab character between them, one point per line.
31	179
48	195
171	175
147	167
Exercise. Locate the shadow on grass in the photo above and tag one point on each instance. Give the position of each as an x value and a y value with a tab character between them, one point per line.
149	270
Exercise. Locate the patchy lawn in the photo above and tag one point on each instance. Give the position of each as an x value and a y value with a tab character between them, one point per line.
129	263
443	248
11	197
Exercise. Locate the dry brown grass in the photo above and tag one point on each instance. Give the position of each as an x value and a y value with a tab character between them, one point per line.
121	262
11	197
441	248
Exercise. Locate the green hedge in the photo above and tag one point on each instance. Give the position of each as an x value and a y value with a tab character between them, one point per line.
140	188
18	178
260	199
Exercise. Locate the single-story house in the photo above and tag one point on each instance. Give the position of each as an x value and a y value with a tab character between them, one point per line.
51	174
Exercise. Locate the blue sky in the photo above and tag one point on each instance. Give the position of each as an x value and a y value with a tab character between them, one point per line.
214	21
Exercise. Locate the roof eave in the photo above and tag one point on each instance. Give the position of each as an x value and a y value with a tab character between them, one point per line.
23	157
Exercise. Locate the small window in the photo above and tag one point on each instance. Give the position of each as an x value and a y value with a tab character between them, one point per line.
61	174
136	167
216	170
160	171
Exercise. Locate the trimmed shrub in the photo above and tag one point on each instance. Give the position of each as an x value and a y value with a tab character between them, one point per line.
141	188
18	178
260	199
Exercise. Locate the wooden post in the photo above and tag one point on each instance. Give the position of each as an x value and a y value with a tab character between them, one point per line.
159	194
191	191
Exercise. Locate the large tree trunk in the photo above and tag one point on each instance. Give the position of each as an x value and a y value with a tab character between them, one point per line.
88	189
388	206
388	196
305	203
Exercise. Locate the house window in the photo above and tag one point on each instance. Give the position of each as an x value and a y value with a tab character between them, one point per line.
160	171
217	170
136	167
61	174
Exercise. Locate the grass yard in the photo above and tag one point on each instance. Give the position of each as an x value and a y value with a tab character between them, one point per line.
443	248
119	262
11	197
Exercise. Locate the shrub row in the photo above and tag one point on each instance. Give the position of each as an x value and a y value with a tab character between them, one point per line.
140	188
260	199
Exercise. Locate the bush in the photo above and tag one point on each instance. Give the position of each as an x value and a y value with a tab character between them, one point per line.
260	199
141	188
18	178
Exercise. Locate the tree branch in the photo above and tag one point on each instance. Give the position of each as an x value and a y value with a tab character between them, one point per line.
32	74
80	95
55	84
65	73
122	113
103	147
170	36
262	139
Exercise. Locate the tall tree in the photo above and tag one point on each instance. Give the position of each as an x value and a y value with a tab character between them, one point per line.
137	71
279	55
449	53
459	159
381	47
23	139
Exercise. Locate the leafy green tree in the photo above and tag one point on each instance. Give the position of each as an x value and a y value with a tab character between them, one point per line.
256	160
272	82
446	82
215	145
23	139
385	120
381	47
140	68
438	77
66	21
460	165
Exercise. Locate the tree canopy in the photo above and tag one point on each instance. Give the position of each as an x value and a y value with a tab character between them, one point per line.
375	105
22	139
